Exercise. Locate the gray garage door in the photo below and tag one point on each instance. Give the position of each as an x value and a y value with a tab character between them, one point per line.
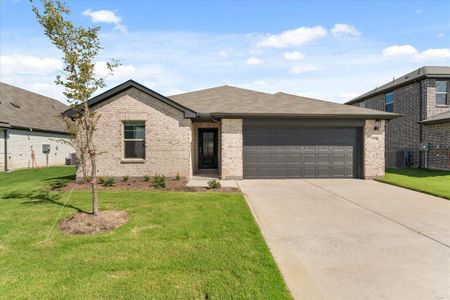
286	150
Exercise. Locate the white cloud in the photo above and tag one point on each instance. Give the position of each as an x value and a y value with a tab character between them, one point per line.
254	61
223	53
105	16
295	55
434	53
440	35
294	37
344	29
399	50
303	69
28	64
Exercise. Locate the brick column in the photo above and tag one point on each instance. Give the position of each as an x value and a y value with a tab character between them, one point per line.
232	147
374	161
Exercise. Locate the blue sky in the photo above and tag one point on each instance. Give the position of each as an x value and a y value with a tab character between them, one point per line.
331	50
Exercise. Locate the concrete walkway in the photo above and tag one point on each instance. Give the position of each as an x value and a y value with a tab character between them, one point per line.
354	239
201	180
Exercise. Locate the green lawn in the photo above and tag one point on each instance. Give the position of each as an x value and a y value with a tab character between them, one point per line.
175	246
432	182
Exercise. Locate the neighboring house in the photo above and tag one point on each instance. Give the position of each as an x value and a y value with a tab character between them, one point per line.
236	132
422	98
29	121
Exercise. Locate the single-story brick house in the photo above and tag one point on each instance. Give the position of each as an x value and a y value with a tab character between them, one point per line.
237	132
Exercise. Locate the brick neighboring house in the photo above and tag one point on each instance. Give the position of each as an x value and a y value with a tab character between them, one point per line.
236	133
422	98
30	122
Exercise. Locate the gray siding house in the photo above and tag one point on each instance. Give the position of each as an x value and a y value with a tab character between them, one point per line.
29	123
421	137
235	132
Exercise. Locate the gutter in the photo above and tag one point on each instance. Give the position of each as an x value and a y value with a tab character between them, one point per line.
437	121
306	116
38	130
5	132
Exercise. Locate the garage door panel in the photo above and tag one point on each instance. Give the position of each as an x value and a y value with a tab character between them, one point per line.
309	158
300	152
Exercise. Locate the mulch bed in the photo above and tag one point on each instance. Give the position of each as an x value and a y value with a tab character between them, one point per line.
84	223
172	185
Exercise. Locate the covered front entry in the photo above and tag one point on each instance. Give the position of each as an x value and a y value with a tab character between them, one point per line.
302	148
208	148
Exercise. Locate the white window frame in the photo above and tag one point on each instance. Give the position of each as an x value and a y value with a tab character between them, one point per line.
442	93
131	140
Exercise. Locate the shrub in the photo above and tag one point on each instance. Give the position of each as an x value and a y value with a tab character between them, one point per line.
88	179
214	184
108	181
146	178
101	179
125	178
178	177
159	181
58	184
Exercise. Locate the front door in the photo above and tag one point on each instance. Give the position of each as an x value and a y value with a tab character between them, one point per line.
207	148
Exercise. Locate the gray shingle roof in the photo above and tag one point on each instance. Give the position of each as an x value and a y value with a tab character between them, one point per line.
24	109
228	100
439	118
427	71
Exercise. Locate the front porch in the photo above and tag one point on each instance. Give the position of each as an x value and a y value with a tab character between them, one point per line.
217	149
201	178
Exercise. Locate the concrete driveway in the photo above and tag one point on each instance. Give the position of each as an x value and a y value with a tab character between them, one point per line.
354	239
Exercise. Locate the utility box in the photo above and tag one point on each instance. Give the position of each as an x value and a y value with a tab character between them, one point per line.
46	148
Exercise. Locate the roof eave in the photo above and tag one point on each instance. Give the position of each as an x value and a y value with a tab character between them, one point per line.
381	91
431	122
306	116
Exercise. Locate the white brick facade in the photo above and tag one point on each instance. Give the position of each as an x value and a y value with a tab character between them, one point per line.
20	143
171	140
232	149
168	137
374	140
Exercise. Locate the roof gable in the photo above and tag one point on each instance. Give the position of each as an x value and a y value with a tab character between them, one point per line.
188	113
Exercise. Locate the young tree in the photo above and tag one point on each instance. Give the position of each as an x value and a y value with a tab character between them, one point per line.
80	46
77	141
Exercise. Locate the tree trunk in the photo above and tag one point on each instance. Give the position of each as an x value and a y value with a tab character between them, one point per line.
83	166
89	126
94	185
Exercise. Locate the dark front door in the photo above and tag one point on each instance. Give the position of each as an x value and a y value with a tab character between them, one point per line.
207	148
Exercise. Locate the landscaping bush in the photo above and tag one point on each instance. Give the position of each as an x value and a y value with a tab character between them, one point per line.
102	179
146	178
214	184
58	184
178	177
159	181
125	178
108	181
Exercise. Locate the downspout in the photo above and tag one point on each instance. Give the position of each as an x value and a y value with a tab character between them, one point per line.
420	124
5	132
